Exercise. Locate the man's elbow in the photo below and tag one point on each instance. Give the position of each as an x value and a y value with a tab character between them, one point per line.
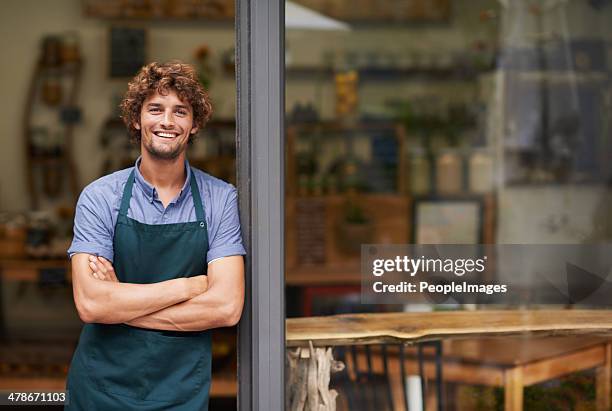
233	314
94	310
88	313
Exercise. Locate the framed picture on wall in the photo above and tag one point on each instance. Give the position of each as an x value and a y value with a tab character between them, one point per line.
448	220
127	51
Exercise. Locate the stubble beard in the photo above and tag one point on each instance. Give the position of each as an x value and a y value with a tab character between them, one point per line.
163	154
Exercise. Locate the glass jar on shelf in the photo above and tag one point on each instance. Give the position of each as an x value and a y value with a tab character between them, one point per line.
449	172
70	48
480	171
419	174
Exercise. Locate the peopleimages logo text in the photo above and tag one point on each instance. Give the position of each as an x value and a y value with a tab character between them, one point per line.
412	266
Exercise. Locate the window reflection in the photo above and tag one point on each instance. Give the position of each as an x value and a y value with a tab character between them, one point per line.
501	107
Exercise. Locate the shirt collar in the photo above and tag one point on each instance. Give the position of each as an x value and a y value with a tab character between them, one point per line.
150	191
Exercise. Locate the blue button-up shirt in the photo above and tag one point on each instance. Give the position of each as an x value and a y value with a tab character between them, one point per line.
98	208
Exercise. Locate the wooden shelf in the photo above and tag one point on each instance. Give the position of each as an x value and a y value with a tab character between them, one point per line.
28	269
394	73
48	160
67	68
389	221
324	275
224	385
562	76
33	383
53	184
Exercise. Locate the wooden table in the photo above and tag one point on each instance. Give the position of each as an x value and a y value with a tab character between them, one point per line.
510	362
528	368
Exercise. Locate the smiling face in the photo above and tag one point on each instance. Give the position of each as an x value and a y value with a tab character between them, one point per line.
166	123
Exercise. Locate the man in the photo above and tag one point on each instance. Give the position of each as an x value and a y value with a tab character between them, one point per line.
156	259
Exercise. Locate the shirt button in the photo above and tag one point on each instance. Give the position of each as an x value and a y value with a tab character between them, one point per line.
202	224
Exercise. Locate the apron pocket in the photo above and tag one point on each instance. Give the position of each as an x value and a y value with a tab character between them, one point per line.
179	367
117	356
147	365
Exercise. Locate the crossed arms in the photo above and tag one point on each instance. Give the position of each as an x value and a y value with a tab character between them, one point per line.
182	304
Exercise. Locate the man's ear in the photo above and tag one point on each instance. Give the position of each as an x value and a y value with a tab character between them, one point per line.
194	130
136	125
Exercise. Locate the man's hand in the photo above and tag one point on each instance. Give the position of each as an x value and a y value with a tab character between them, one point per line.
103	270
198	285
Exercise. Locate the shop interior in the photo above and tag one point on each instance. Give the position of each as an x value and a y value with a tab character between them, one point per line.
442	122
407	122
69	68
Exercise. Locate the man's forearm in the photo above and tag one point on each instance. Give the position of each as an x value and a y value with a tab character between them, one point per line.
205	311
219	306
112	302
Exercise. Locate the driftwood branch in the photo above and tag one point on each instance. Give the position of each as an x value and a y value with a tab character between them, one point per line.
308	371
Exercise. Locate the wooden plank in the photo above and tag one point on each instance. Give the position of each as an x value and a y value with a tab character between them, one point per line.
375	328
32	384
602	381
33	264
224	386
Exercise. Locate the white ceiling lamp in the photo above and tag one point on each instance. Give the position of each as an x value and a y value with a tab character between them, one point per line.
298	17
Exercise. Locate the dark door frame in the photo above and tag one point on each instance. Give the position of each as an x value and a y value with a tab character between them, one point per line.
260	26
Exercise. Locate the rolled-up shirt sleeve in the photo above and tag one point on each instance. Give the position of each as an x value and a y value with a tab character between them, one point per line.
227	240
93	228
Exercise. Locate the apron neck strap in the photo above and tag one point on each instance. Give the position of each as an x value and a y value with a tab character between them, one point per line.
197	200
127	195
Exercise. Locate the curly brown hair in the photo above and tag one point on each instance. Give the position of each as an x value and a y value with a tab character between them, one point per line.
162	78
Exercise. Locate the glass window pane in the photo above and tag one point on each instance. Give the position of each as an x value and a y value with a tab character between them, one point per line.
483	124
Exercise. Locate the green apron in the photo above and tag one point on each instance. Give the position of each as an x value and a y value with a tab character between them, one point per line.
119	367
